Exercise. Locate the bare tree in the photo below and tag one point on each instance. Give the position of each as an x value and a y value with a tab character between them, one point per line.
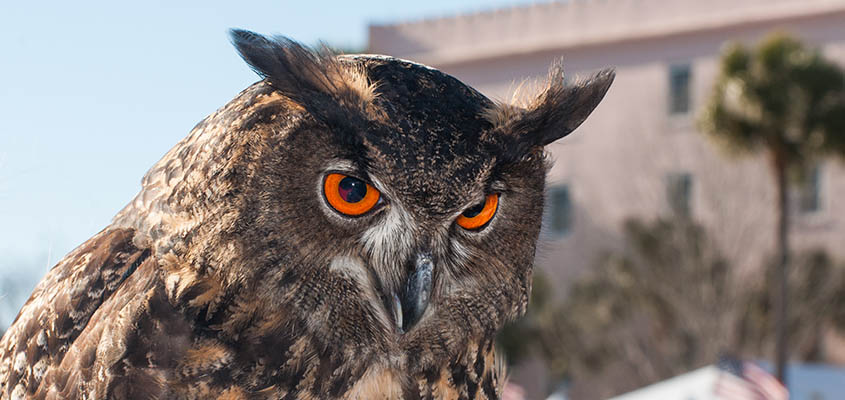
670	302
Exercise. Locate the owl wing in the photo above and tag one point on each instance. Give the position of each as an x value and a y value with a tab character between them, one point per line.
66	329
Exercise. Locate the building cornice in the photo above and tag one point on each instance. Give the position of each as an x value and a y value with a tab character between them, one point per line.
584	23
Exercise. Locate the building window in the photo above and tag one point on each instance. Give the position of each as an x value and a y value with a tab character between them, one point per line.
809	192
678	193
679	89
559	210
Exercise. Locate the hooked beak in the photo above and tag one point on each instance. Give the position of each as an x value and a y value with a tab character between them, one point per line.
410	305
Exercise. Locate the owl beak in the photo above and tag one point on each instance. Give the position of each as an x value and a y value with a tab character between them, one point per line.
410	306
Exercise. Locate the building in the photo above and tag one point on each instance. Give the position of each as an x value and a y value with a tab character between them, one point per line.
639	154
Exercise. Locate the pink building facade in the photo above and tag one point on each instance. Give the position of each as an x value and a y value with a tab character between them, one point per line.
640	153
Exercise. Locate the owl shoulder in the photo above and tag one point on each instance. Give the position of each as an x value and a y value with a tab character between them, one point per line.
68	326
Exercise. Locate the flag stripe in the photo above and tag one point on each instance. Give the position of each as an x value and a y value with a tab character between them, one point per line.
769	386
740	380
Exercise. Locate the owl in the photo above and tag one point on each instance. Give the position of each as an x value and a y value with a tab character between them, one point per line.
348	227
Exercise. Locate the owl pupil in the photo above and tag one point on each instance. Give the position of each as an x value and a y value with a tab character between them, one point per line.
352	190
474	210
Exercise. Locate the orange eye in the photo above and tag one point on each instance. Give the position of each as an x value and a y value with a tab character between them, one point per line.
348	195
479	215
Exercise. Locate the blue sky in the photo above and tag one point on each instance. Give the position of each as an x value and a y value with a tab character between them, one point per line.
93	93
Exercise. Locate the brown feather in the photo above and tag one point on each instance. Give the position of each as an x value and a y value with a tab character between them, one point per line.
229	276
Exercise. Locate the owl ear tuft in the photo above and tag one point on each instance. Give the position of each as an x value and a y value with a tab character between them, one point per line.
306	76
554	113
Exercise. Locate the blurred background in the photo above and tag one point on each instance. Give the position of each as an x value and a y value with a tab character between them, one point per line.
708	179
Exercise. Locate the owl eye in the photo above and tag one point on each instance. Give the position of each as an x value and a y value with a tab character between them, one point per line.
480	214
348	195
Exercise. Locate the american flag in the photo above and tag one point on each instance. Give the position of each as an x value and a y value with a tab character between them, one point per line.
743	380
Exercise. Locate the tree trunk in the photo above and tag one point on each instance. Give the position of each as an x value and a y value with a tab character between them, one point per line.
780	283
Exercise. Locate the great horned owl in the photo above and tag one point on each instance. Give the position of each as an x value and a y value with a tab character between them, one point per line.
353	227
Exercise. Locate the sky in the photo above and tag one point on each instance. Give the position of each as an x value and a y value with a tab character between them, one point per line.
93	93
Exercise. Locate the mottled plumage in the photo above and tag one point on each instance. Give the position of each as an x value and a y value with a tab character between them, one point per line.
229	276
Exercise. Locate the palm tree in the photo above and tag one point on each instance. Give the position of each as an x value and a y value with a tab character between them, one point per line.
785	100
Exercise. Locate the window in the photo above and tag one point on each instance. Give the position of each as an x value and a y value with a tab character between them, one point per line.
678	193
679	89
809	192
559	216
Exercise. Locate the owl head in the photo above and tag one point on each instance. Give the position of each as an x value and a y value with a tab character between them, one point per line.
379	207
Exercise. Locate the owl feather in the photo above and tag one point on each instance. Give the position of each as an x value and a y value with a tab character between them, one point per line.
249	266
